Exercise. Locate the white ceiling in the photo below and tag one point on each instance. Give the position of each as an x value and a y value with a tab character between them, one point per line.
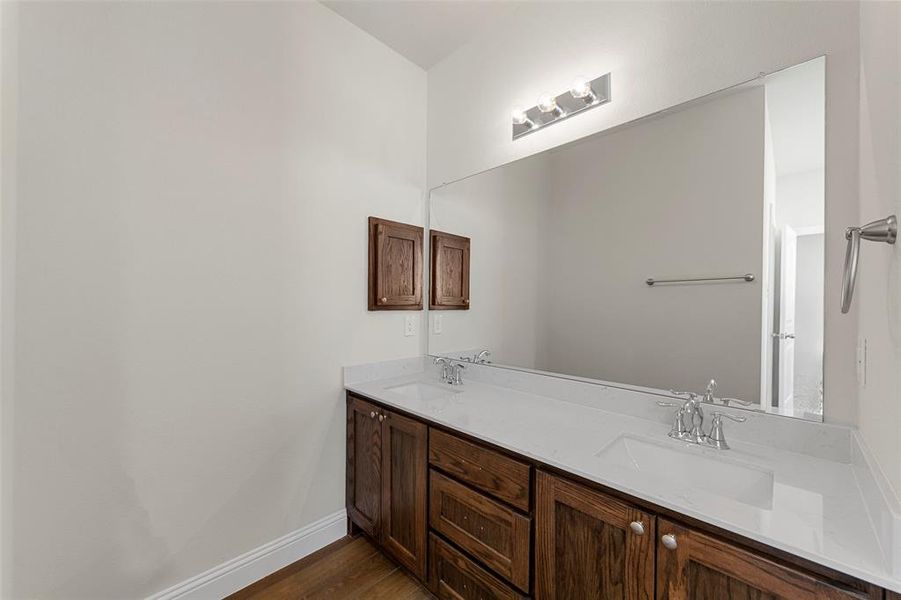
424	31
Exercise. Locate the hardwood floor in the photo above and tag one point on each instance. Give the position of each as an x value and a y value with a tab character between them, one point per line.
350	568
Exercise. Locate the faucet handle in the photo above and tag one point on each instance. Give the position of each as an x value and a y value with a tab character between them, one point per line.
691	395
679	429
717	416
711	386
726	401
717	437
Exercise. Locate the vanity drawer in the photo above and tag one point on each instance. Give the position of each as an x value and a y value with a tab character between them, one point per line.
504	478
496	535
452	576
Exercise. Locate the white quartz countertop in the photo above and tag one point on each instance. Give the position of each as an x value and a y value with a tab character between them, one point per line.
818	511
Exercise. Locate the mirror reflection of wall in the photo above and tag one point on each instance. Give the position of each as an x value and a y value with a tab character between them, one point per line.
563	241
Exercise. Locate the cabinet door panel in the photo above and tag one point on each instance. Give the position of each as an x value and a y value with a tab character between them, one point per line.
404	472
585	547
395	265
364	459
701	567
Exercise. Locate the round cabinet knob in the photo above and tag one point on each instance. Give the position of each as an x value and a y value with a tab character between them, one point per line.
383	299
669	541
381	417
372	415
637	527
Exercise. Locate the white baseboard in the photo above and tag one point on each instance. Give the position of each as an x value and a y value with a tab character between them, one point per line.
238	573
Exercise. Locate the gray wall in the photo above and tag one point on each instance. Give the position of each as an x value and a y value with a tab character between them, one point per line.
676	196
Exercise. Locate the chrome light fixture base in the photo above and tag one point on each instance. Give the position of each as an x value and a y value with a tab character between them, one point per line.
568	106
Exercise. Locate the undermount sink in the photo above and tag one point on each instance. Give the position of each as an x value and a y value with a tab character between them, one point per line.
692	467
423	391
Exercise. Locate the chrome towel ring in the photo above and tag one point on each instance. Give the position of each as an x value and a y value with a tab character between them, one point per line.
883	230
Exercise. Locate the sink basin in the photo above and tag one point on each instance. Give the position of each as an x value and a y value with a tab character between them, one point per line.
423	391
692	467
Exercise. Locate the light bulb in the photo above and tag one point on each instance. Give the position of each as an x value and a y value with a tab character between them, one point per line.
519	116
581	88
547	103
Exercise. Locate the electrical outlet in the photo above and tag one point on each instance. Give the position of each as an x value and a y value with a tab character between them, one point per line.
409	325
862	362
437	323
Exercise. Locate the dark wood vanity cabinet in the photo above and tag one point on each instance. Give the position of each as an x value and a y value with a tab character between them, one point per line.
491	526
590	546
386	481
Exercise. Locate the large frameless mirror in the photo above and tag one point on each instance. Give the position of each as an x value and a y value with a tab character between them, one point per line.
682	247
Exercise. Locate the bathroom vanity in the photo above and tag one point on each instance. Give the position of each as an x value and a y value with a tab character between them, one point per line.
474	489
541	450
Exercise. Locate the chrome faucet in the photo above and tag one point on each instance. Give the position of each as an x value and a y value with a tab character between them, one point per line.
451	372
482	357
693	430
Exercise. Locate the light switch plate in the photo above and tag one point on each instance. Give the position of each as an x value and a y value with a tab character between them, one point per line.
409	325
437	323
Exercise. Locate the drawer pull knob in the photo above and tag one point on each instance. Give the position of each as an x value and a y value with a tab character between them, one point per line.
383	299
381	417
372	415
637	527
669	541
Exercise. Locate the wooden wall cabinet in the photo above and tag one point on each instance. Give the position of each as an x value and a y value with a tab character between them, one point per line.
386	491
395	265
450	271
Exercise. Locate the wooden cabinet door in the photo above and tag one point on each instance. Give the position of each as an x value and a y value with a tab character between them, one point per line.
395	265
695	566
450	272
364	460
586	547
404	495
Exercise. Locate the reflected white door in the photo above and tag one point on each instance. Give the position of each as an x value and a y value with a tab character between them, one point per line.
785	337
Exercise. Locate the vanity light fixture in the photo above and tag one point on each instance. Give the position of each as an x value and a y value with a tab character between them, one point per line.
583	94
